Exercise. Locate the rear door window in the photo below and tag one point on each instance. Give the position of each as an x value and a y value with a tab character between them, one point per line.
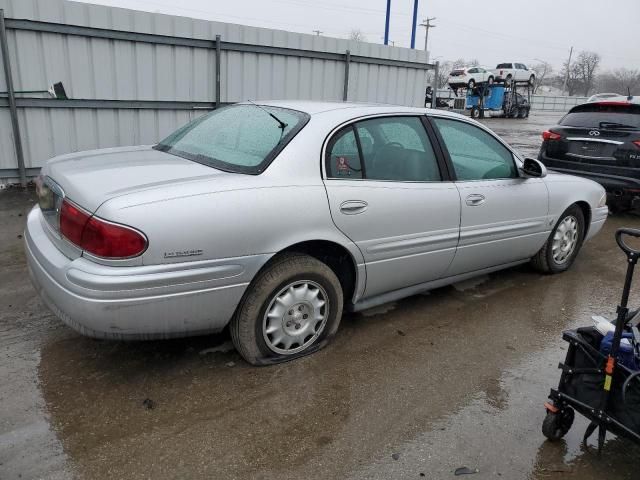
343	156
387	148
504	65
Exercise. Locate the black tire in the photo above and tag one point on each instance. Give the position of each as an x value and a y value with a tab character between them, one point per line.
490	80
543	261
556	425
618	204
475	112
507	81
472	84
247	324
532	80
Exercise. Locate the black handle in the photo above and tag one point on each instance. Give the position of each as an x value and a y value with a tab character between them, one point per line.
626	248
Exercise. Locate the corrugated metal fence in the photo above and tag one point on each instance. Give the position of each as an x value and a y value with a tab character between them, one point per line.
133	77
555	103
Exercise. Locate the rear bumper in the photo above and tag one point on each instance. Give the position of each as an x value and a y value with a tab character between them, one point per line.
610	181
133	303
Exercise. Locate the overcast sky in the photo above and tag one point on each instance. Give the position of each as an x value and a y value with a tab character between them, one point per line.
490	31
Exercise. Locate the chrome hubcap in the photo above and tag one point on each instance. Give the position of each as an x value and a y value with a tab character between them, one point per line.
295	318
565	239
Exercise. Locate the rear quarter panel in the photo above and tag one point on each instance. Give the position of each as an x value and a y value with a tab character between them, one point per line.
247	215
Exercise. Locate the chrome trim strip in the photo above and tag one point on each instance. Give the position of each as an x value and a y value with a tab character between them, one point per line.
596	140
588	157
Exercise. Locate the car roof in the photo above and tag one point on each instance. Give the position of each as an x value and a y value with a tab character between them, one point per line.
350	109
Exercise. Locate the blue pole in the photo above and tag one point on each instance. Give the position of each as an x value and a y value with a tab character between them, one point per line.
413	24
386	23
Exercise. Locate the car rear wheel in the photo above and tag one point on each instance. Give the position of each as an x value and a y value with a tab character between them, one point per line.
563	245
471	84
532	80
507	81
490	80
291	309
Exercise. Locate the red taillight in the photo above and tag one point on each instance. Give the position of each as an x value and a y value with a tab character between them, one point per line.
549	135
72	222
637	143
106	239
613	103
99	237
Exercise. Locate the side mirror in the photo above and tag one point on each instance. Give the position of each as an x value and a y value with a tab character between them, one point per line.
533	168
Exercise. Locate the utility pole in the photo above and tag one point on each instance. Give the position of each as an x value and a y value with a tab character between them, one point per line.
566	77
427	25
317	32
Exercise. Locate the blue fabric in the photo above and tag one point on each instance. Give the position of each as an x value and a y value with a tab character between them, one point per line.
626	354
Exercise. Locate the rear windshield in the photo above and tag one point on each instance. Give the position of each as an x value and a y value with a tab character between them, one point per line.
603	116
238	138
504	65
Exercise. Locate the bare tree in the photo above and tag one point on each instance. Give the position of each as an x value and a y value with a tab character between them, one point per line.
543	70
585	68
357	35
622	81
461	62
443	73
572	75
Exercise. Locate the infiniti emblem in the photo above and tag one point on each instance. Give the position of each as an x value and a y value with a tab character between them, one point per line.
594	133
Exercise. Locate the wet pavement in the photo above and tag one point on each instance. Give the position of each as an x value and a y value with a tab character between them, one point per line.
416	388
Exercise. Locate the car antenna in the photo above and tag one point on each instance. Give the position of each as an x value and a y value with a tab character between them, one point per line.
280	122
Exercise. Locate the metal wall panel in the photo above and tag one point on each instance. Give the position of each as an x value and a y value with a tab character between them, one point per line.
108	69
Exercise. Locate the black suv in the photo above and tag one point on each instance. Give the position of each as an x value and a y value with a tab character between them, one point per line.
600	141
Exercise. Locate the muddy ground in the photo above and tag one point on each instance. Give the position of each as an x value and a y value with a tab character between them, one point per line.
416	388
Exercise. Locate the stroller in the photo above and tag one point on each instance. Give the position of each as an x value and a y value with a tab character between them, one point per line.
600	377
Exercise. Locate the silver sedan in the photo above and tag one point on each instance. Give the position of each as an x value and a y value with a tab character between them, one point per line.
273	218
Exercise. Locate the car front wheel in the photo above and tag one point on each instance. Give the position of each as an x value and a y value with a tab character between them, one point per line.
291	309
471	84
563	245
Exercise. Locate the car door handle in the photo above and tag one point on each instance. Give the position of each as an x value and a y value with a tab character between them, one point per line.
353	207
475	200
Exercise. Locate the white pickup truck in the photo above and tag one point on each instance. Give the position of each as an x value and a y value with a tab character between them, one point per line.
513	71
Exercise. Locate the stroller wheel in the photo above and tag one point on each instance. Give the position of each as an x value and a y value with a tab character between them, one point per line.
556	425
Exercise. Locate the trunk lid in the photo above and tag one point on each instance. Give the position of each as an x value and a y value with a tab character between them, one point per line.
91	178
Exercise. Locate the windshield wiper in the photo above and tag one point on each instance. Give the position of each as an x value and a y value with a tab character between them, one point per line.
280	122
616	125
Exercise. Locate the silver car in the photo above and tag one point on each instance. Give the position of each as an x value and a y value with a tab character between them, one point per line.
273	218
